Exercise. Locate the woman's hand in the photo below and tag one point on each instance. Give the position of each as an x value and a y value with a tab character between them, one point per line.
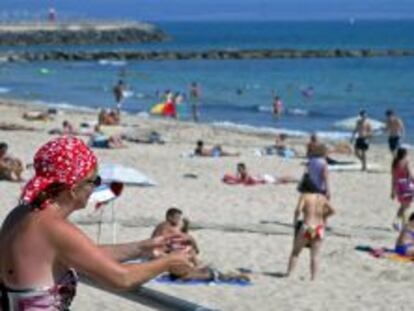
162	245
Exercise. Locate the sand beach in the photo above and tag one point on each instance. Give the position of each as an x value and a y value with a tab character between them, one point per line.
238	226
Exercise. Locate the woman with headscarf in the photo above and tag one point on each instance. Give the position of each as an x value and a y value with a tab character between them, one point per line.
41	249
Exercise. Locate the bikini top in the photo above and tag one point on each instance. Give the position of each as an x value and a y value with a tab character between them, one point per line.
55	298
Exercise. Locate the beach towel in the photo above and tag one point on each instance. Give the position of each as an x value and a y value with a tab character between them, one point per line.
384	252
286	153
166	279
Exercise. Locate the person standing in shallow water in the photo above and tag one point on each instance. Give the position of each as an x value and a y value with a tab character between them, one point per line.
118	92
195	97
277	106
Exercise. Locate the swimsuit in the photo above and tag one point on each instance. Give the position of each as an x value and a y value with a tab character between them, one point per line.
403	185
394	142
403	248
55	298
313	232
361	143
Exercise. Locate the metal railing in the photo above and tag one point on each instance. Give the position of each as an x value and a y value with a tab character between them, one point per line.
153	299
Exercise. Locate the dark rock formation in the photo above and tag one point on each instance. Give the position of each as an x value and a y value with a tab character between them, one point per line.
97	33
62	55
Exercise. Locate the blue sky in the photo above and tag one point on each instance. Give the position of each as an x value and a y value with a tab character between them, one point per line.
217	9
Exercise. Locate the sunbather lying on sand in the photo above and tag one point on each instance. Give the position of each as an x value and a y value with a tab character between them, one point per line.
243	177
37	116
10	168
99	140
216	151
152	138
67	129
173	224
15	127
405	242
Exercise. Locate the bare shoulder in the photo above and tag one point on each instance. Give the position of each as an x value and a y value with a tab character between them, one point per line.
60	231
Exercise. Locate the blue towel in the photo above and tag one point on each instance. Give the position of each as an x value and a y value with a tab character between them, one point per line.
166	279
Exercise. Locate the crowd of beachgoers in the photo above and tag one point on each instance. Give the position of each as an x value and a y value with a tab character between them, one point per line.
54	165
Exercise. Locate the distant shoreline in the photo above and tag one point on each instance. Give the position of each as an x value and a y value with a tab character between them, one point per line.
62	55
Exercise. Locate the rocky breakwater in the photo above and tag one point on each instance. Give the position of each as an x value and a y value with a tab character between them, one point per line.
24	34
63	55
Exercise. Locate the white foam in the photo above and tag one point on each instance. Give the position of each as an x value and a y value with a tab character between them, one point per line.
4	90
107	62
259	130
269	130
65	106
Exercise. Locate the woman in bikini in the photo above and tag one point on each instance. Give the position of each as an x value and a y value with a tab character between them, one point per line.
41	248
402	186
405	241
315	208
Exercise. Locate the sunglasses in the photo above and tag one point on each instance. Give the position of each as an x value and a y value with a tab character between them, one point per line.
96	182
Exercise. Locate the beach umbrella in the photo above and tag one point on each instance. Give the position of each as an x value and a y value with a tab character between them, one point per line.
114	176
122	174
101	195
349	124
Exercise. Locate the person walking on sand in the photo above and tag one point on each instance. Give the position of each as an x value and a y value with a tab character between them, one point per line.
363	130
315	209
195	96
402	186
395	129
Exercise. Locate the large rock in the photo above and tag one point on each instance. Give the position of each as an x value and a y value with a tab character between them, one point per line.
97	33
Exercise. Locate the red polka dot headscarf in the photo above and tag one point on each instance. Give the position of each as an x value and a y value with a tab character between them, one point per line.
64	160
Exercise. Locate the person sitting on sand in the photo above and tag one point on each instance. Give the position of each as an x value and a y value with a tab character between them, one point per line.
404	245
216	151
243	177
41	250
109	117
313	148
185	228
315	209
173	224
402	185
11	168
280	147
100	140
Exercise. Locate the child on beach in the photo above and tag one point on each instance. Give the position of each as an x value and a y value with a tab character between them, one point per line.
315	209
402	185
